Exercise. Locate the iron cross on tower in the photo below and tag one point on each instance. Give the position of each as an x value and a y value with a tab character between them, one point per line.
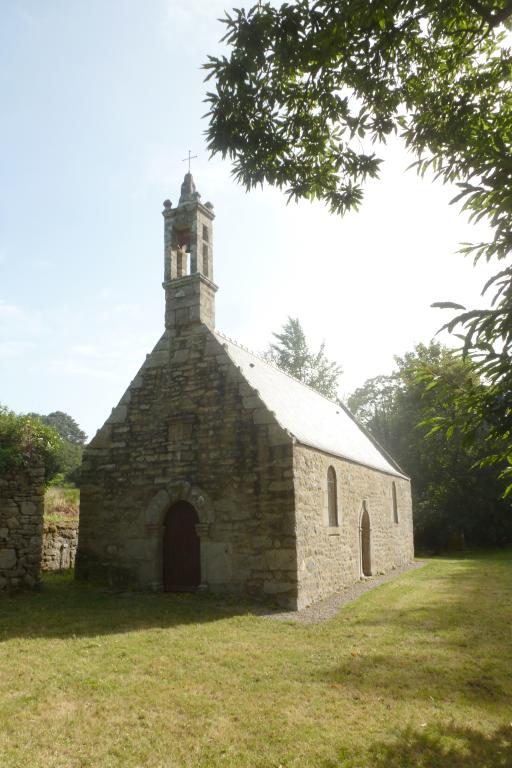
189	158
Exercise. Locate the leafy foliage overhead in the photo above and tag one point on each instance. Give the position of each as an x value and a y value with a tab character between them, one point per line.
292	354
311	88
307	83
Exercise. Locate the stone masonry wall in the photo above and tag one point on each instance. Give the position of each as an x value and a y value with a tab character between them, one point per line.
190	427
329	558
21	527
59	545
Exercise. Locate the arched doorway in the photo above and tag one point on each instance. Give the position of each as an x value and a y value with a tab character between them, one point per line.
181	555
366	562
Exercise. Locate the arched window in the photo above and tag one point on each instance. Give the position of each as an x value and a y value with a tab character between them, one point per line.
395	503
332	497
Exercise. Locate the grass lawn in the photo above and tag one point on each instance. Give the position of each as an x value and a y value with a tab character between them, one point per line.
417	672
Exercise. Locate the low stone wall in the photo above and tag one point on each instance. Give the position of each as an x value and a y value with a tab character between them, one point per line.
21	526
59	545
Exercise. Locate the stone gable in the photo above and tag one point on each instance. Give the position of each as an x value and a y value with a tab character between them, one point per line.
190	428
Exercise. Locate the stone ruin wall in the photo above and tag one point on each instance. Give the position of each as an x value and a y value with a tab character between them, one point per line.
59	546
21	527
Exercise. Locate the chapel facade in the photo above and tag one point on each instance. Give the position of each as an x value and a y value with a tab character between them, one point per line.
218	471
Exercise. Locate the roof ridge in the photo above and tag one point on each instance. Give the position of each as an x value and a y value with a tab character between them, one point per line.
259	356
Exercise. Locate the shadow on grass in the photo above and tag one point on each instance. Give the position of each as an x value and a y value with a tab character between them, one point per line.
414	678
457	645
67	608
435	747
475	589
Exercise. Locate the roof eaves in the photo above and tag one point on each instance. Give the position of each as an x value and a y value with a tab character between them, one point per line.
352	460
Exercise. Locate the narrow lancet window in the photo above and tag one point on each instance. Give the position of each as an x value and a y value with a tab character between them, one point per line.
332	497
395	502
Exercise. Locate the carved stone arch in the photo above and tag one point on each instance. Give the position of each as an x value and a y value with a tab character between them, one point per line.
364	509
178	491
154	523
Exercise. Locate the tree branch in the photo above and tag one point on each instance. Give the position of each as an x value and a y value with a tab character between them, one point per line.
493	19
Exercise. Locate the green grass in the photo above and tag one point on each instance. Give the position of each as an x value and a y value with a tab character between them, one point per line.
61	504
417	672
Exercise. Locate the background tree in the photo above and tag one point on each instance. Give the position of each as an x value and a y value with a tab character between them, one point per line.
453	497
66	426
69	455
292	354
310	88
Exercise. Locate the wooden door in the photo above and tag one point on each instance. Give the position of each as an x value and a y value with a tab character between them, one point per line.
181	556
365	543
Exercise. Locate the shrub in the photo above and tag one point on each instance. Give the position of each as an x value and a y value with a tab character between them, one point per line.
24	439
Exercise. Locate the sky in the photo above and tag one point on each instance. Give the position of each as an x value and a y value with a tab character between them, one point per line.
101	101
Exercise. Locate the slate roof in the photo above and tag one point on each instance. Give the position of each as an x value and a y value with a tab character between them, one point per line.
310	417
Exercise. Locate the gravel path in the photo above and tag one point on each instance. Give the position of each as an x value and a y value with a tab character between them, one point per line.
328	608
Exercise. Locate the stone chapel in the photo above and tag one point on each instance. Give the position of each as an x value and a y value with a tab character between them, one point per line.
219	471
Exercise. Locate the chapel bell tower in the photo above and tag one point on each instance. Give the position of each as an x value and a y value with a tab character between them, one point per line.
188	260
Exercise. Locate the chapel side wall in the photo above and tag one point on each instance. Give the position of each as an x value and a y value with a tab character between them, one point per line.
21	526
329	558
191	427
